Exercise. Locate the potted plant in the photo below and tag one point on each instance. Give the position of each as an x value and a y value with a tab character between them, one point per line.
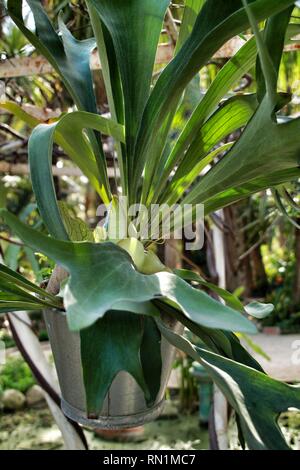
114	311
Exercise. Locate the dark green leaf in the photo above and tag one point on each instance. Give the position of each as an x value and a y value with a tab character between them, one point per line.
151	359
69	133
69	57
257	399
103	274
135	43
217	22
105	353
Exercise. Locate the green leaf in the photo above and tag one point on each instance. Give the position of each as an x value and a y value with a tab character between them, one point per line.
228	76
232	115
274	38
190	13
217	22
229	298
77	229
260	183
103	274
264	146
218	341
255	309
135	43
12	277
106	344
18	306
256	398
150	354
259	310
112	81
69	133
69	57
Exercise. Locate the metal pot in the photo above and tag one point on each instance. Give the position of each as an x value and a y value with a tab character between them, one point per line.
124	405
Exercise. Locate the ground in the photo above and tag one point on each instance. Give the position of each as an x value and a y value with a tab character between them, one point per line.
35	429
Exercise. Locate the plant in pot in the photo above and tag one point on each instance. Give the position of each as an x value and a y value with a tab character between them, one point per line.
114	311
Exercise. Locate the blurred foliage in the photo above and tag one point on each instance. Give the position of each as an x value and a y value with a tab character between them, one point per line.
16	374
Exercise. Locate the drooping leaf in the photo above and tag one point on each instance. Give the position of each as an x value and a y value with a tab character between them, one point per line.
103	274
264	145
255	309
151	358
68	132
112	81
221	342
229	298
106	344
69	57
256	398
9	276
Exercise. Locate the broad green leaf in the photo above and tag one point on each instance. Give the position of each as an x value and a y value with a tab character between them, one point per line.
103	274
260	183
111	76
135	43
256	398
190	13
217	22
235	113
218	341
150	355
229	298
69	57
249	166
106	344
274	36
142	308
69	133
228	76
255	309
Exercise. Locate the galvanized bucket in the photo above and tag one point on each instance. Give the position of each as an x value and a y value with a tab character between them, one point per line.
124	405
